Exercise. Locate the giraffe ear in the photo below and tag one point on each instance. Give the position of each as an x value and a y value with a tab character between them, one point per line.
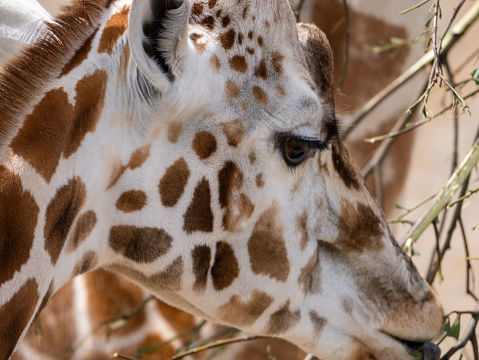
158	34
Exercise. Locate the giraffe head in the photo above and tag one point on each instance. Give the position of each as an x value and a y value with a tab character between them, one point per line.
213	175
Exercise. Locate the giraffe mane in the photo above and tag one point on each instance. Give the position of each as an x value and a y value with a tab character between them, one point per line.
25	77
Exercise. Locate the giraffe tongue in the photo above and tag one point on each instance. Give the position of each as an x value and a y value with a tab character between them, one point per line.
430	351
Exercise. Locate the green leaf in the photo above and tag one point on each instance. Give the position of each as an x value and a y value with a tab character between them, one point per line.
475	76
456	328
447	326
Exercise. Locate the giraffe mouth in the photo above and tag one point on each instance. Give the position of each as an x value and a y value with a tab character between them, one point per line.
421	351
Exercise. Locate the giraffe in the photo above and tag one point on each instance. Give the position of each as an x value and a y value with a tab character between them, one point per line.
175	149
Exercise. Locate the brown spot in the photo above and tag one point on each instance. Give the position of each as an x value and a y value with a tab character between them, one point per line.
174	131
359	228
310	276
212	3
244	313
87	263
259	180
42	141
261	70
238	206
61	213
240	38
170	278
301	223
250	35
252	157
250	50
130	201
200	47
344	167
215	63
80	55
124	63
18	219
143	245
266	247
197	9
267	24
245	11
277	60
114	28
139	156
231	91
244	106
198	216
226	21
238	63
318	322
260	41
201	265
280	90
260	96
225	268
208	22
16	315
234	131
83	228
227	39
204	144
218	13
173	183
281	320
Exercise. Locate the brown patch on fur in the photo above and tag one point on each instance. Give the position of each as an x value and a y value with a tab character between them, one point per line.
280	90
225	21
261	70
208	22
277	60
16	314
198	216
114	29
250	35
87	263
252	158
260	41
215	63
138	157
343	165
238	206
143	245
266	247
234	131
250	51
244	106
231	90
318	322
174	131
359	228
200	47
244	313
212	3
281	320
310	276
204	144
80	55
240	38
110	295
173	183
227	39
245	11
201	265
259	180
225	268
170	278
130	201
260	96
83	228
301	223
42	141
197	9
25	78
238	63
124	63
60	215
18	219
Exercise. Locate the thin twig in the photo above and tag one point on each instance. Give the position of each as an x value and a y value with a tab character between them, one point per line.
469	272
346	48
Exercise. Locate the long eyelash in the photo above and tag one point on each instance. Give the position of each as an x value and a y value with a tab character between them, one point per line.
314	143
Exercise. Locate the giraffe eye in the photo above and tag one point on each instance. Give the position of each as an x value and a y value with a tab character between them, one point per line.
295	151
